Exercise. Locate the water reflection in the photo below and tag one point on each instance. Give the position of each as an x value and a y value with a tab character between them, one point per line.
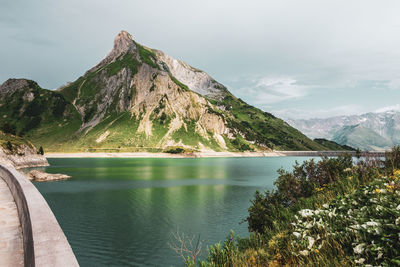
122	212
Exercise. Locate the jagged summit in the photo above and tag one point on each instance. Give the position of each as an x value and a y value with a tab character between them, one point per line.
123	43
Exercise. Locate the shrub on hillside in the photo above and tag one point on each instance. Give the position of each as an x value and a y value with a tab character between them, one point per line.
305	179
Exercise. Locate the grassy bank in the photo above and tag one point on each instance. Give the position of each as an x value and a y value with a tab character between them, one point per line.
326	213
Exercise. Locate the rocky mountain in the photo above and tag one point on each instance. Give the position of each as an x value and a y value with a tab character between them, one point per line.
370	131
140	99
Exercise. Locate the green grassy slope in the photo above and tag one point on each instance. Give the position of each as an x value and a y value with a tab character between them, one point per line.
263	127
45	117
331	145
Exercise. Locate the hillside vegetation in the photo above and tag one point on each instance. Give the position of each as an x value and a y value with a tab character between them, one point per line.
327	213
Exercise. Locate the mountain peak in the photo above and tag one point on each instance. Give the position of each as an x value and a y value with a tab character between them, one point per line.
123	42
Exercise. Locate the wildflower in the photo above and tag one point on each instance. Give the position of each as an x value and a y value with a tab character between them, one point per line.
372	224
311	242
359	248
304	252
398	207
360	261
306	213
297	234
325	206
397	222
377	190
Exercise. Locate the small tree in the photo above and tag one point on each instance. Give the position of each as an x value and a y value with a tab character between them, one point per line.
9	146
358	153
41	152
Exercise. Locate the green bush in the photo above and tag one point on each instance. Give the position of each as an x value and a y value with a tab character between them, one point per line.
9	128
304	181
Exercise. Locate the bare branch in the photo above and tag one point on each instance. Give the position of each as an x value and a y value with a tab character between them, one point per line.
183	246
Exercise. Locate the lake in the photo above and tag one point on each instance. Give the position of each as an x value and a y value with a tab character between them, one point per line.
123	211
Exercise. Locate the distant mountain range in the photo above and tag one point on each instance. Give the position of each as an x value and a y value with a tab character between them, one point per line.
140	99
370	131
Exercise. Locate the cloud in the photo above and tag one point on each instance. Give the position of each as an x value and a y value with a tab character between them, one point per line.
388	108
270	89
34	39
295	113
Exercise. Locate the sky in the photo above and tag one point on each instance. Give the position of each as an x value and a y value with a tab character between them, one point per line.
293	58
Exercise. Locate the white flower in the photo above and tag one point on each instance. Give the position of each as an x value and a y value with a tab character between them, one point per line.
380	254
360	261
304	252
325	206
372	224
311	241
359	248
297	234
355	226
398	207
317	212
306	213
397	221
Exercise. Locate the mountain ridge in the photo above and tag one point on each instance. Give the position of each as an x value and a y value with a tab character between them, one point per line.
138	98
369	131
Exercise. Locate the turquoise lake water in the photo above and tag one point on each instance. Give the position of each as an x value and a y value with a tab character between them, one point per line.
122	212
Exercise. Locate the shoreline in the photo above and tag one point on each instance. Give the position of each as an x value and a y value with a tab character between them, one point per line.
209	154
162	155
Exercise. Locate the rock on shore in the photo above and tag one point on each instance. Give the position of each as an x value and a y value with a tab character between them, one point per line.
40	176
23	156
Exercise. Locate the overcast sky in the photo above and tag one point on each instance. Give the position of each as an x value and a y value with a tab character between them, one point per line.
296	59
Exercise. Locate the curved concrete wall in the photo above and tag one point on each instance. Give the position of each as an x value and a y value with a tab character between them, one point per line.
44	242
23	214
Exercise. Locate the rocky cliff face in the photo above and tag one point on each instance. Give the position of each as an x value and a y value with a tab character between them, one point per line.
138	99
19	153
